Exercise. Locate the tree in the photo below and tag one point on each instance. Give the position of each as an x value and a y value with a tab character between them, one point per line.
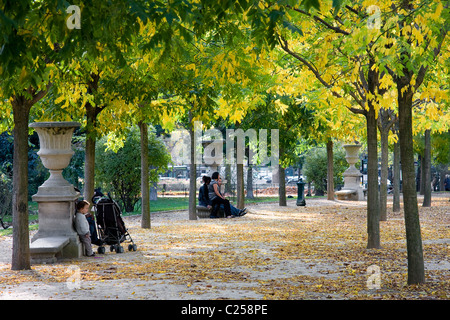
334	64
26	63
404	43
315	167
420	33
120	171
386	120
294	120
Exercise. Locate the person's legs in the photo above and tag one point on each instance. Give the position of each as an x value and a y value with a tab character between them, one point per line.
226	207
216	204
215	207
86	241
235	211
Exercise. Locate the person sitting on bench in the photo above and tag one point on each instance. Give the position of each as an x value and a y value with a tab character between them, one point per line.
203	198
217	198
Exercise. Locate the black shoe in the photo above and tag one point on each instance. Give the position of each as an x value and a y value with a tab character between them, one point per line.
243	212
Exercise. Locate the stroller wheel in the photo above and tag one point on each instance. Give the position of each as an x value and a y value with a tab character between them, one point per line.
132	247
112	248
101	250
119	249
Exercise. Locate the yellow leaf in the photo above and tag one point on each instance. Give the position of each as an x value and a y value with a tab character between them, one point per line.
59	99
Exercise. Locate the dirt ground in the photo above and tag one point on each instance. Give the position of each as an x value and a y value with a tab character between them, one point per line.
313	252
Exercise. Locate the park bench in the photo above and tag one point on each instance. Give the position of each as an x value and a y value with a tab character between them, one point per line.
351	194
347	194
204	212
46	250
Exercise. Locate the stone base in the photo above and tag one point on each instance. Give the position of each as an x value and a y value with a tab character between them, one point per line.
56	237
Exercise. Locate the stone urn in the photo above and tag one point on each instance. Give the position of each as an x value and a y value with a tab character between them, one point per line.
352	189
55	153
56	237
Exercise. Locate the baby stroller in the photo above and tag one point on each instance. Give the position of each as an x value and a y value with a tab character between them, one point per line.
110	226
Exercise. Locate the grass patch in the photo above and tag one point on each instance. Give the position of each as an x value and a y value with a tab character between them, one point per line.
162	204
182	203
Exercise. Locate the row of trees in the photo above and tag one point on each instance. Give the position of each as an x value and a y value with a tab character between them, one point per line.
319	66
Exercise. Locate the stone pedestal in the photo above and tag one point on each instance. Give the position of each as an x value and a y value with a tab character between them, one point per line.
352	189
56	237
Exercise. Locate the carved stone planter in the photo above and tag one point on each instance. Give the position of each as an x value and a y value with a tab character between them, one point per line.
56	197
55	153
352	189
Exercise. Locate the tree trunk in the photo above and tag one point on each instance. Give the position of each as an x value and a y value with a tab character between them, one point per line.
228	177
89	157
192	174
384	133
396	182
21	240
416	272
282	186
427	171
250	182
373	213
145	189
240	192
330	171
421	175
91	136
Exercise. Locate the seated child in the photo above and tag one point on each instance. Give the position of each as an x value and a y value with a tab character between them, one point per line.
82	226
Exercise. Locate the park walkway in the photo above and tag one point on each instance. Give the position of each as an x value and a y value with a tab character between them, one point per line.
312	252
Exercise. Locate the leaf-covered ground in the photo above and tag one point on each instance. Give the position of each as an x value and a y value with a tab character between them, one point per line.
313	252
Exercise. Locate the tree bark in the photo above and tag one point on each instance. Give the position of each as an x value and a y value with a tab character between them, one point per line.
384	134
282	186
89	157
420	175
386	119
92	112
145	188
192	174
427	170
330	171
373	212
416	270
228	177
240	192
250	182
396	182
21	240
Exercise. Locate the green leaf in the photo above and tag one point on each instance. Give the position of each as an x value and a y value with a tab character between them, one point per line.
308	4
293	28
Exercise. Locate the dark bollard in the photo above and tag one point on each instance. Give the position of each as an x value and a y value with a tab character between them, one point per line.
301	193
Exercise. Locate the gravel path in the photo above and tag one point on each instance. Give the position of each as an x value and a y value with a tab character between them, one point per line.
213	259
